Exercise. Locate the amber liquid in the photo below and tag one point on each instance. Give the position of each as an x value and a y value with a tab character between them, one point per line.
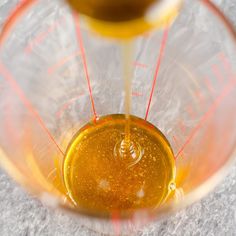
98	179
127	56
116	10
119	162
126	18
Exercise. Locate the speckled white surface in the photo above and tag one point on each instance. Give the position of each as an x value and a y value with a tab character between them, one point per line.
22	215
214	215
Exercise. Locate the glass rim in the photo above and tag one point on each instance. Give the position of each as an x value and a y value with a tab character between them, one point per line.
168	208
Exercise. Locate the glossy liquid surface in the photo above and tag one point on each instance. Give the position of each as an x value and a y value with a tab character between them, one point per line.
126	18
99	178
116	10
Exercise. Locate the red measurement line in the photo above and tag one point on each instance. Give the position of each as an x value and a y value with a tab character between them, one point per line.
61	62
161	53
16	88
137	94
138	64
42	35
81	46
115	217
227	89
176	141
14	15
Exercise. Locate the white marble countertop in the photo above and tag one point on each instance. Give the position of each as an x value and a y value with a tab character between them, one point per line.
21	215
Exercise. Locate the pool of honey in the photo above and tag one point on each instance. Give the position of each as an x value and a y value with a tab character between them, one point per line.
99	178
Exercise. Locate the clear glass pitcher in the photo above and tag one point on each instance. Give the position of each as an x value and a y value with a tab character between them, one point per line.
56	75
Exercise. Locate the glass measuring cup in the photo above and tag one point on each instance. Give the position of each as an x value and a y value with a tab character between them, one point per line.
55	76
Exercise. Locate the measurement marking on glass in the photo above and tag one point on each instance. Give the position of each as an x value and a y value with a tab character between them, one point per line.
14	16
137	94
81	46
66	105
40	37
159	59
225	92
116	222
175	141
141	65
19	92
62	61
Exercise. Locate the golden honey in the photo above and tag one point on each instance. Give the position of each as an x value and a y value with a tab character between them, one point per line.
101	176
126	18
